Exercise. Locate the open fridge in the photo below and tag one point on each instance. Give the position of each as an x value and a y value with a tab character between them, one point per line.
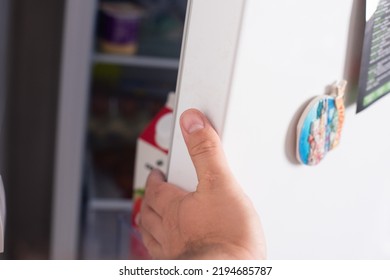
252	66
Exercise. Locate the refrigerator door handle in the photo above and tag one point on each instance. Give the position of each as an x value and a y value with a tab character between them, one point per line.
207	61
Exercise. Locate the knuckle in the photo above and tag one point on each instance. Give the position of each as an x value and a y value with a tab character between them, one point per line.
209	177
211	180
160	191
153	191
204	148
157	192
170	222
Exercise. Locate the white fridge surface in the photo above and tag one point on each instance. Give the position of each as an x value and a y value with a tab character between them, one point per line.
279	55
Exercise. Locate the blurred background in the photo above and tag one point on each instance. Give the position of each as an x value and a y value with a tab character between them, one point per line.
79	81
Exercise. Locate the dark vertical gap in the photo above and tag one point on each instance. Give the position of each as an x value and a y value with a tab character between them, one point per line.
33	72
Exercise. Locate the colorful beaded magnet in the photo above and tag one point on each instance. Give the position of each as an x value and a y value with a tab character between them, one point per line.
319	128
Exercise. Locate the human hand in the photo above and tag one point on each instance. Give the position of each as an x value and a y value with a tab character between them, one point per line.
217	221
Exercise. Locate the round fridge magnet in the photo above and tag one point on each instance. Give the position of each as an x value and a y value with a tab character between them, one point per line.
320	126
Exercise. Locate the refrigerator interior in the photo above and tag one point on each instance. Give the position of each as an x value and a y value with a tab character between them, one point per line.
125	92
321	216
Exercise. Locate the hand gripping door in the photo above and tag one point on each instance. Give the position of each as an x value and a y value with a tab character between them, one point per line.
206	68
251	66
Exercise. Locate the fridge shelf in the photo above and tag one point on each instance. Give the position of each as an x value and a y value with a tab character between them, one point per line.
110	204
106	230
107	235
139	61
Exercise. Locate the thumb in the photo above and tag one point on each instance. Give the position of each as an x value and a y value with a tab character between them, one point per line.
204	146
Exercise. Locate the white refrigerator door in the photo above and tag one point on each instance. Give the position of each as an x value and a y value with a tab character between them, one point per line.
251	66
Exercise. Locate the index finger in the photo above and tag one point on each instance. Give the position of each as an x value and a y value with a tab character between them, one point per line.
159	195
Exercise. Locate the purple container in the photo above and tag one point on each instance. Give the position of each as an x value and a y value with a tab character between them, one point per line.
119	27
